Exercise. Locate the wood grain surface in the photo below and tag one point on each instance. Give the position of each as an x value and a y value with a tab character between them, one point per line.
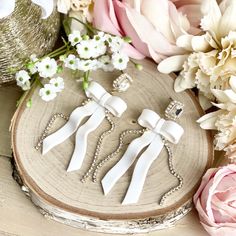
19	217
49	182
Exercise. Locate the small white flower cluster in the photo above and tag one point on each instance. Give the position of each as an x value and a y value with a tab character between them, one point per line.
103	51
23	79
46	68
49	91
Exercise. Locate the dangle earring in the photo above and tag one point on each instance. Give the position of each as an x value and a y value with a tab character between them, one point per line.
155	134
172	112
120	84
100	105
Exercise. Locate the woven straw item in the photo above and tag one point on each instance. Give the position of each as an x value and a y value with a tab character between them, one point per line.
23	33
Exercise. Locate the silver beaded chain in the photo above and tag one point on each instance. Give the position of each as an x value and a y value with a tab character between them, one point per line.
101	163
113	154
98	146
172	171
50	124
48	128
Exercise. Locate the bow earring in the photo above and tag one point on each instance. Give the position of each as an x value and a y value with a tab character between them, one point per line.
101	102
157	131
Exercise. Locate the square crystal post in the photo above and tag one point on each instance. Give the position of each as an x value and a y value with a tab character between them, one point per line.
174	110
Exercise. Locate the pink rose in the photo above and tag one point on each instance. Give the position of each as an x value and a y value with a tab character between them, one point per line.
153	25
215	201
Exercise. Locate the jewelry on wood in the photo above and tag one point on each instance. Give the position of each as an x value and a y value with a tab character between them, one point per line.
116	152
173	111
122	83
48	128
96	110
152	140
98	146
173	172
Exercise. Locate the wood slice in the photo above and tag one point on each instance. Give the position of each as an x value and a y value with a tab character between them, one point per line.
61	195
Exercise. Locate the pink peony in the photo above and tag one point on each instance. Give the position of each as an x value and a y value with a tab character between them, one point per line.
154	25
215	201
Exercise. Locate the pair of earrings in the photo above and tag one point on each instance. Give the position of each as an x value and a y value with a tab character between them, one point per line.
155	134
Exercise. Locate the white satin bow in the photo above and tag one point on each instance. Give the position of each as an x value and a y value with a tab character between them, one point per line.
96	109
8	6
152	139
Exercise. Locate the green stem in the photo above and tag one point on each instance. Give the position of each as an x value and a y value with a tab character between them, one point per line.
89	27
18	103
59	53
23	96
86	80
51	54
38	81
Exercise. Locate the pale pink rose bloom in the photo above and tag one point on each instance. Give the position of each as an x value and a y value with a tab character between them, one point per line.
215	201
153	25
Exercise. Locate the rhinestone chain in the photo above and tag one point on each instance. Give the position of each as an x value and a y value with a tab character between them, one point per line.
173	172
98	146
48	128
97	167
51	122
113	154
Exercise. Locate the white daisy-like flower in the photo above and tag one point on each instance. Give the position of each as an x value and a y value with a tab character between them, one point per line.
115	43
71	62
22	78
86	48
48	92
47	67
26	85
58	83
100	48
74	37
105	63
100	36
120	60
85	65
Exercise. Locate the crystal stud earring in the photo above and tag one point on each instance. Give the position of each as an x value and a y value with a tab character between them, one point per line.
174	110
122	83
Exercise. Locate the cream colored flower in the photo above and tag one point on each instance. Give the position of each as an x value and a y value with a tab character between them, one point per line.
226	125
224	122
231	152
212	62
63	6
78	7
